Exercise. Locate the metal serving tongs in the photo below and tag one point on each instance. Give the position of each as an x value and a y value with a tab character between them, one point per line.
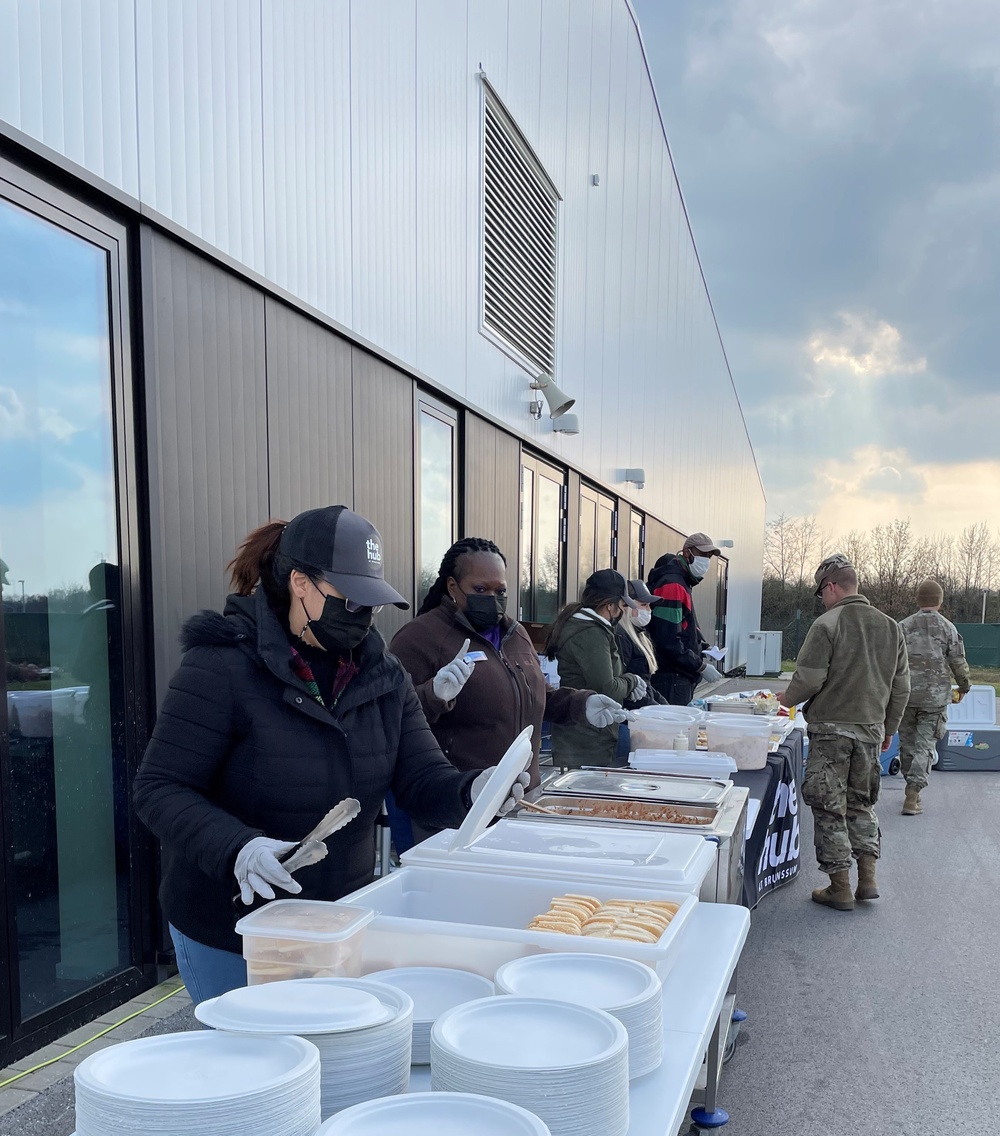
308	850
311	848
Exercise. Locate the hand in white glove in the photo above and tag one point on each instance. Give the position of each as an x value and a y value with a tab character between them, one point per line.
710	674
516	790
257	868
603	711
640	690
450	679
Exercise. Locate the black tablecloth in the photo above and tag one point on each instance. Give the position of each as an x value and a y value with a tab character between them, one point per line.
772	848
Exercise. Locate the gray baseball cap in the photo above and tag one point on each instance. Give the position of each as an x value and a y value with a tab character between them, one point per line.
638	591
346	550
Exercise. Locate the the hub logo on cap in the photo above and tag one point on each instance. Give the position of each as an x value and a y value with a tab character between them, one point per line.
374	551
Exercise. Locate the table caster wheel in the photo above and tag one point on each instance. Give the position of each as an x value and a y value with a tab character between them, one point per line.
702	1118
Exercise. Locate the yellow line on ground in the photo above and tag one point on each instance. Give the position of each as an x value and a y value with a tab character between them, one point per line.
84	1044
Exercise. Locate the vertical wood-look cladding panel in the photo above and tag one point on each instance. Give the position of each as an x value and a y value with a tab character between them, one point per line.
446	221
383	173
206	428
200	123
492	488
67	79
383	471
310	413
307	146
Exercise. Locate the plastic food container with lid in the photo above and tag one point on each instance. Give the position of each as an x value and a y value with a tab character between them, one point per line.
465	897
656	727
746	738
301	938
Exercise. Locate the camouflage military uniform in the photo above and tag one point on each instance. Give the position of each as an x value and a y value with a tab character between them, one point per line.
937	657
841	786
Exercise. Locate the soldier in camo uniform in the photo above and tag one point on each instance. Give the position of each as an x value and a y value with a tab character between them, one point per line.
852	674
937	655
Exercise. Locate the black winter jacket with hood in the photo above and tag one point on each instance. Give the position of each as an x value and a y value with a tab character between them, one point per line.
242	749
674	626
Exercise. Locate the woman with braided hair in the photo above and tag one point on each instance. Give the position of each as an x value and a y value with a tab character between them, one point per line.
475	670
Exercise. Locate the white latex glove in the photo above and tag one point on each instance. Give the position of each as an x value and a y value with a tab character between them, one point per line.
257	868
603	711
710	674
450	679
516	790
639	691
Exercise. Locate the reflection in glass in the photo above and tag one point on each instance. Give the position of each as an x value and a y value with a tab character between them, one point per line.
437	496
588	540
605	532
549	547
527	539
635	549
60	604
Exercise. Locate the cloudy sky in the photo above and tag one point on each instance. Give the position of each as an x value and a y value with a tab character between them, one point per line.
841	165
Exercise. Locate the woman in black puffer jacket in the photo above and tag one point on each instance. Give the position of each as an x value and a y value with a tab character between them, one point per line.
281	707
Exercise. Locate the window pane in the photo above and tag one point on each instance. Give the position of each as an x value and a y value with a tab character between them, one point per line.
605	523
437	496
66	808
549	550
588	541
527	540
635	549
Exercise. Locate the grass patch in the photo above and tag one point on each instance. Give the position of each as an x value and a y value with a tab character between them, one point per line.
986	676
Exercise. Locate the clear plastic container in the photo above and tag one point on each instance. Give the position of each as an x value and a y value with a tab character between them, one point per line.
746	739
430	916
300	938
656	727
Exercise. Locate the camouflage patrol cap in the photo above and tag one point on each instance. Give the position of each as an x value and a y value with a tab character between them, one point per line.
830	565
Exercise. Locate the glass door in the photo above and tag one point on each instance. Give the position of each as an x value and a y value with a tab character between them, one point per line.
543	539
598	533
437	497
65	613
637	547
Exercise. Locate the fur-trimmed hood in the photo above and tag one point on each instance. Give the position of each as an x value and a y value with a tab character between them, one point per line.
214	629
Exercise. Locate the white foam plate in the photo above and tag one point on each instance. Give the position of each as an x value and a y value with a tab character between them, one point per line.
435	989
528	1033
196	1067
435	1114
603	982
292	1007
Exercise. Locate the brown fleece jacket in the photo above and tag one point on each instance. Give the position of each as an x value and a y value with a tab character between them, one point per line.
853	667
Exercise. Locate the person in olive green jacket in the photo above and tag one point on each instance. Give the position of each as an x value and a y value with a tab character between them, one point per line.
583	642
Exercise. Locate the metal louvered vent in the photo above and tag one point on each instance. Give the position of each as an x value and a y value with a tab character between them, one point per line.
519	241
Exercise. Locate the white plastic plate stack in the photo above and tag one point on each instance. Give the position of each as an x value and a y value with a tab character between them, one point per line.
626	989
205	1084
362	1030
567	1064
434	989
435	1114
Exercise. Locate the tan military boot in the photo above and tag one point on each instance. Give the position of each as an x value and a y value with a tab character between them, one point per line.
838	895
867	888
911	802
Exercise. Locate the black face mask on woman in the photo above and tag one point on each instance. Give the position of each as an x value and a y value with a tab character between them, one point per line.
337	629
484	612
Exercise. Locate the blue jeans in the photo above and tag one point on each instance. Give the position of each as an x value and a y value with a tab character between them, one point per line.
207	971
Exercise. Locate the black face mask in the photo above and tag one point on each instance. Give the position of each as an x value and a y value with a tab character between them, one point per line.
484	612
337	629
616	619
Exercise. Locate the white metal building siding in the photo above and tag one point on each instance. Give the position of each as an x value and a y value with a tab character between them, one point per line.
334	147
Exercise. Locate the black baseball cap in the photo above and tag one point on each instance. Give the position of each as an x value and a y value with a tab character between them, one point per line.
611	584
346	550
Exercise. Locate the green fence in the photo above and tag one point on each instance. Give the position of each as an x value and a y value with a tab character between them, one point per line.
982	643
